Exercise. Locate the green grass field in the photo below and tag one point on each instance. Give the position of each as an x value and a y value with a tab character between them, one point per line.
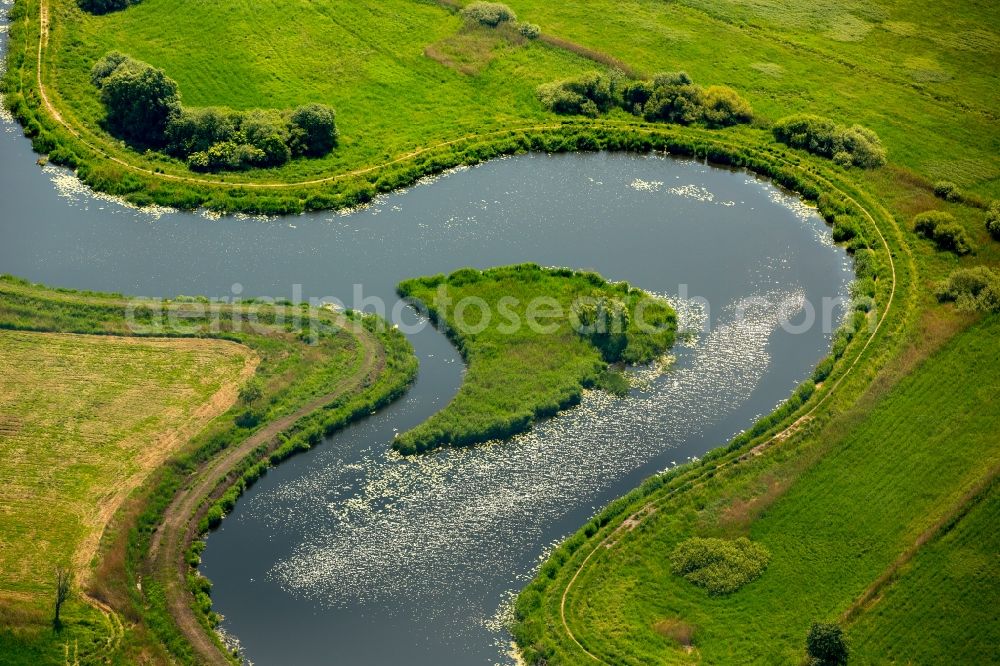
835	509
405	76
942	608
516	330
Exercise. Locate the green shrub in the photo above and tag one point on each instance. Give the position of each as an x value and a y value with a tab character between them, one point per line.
669	97
993	220
864	264
974	289
848	146
944	230
925	224
944	189
197	130
529	30
635	94
105	6
489	14
952	236
589	95
719	565
845	227
674	99
825	645
724	107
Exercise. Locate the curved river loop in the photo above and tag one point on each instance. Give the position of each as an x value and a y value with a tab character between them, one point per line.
349	553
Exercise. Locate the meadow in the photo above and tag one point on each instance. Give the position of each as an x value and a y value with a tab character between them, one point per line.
836	506
415	89
519	331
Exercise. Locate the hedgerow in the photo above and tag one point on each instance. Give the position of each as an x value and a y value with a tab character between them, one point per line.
668	97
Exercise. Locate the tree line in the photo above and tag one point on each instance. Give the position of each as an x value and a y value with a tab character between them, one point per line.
143	107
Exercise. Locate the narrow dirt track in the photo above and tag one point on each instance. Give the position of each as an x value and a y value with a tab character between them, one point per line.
179	527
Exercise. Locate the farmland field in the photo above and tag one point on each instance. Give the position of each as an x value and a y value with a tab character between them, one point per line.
955	576
84	421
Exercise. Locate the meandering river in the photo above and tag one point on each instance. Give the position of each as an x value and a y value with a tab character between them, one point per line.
349	554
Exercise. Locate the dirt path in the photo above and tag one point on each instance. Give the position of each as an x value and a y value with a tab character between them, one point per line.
179	527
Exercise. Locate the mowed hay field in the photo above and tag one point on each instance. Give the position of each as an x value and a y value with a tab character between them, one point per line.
835	515
83	420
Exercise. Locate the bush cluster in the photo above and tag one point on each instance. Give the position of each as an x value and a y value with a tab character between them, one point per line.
848	226
847	146
825	645
668	97
947	190
143	106
944	230
215	139
490	14
719	565
972	289
105	6
993	220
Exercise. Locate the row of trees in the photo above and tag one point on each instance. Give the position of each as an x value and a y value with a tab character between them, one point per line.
669	97
143	106
847	146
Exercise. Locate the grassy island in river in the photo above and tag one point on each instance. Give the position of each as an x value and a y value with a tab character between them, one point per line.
533	339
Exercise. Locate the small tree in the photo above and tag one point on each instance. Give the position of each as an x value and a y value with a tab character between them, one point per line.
64	584
139	99
251	392
825	645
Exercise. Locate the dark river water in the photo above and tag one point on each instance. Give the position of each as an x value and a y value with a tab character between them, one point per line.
350	555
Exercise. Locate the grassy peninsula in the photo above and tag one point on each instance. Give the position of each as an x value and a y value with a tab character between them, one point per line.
533	338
